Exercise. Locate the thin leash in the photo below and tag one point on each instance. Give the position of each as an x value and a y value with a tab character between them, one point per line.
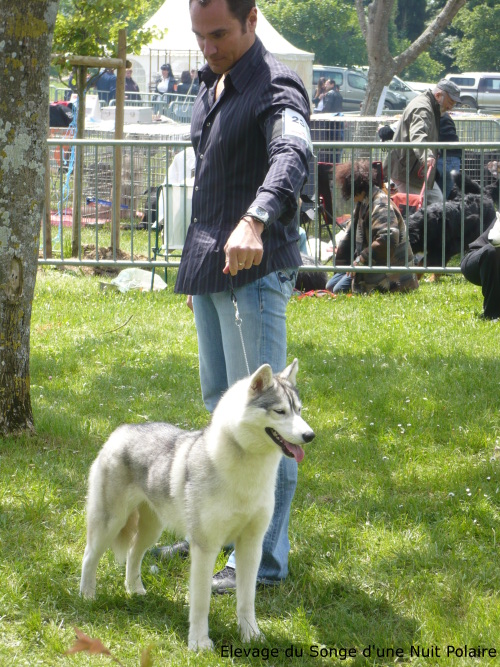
238	321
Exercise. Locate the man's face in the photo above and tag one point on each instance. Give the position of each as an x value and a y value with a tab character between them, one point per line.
329	85
220	35
445	102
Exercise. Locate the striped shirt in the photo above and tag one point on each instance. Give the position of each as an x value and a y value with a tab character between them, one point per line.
247	154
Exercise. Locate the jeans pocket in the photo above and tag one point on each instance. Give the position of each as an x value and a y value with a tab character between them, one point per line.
287	279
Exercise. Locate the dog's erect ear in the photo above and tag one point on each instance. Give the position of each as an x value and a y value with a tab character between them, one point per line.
290	372
262	379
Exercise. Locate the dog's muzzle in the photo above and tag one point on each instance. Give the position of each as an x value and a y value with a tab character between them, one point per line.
292	451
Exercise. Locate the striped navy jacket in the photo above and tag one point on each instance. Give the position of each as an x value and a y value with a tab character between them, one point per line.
247	153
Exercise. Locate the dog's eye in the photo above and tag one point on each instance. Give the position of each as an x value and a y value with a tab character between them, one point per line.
279	412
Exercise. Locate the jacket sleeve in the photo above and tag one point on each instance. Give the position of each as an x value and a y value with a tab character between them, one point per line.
285	125
421	121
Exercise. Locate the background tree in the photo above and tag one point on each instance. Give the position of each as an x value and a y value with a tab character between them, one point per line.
91	27
26	29
329	29
374	21
477	44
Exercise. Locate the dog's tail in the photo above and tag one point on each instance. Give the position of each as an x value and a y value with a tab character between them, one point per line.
123	540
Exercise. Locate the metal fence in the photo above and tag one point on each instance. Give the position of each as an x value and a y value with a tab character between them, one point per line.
147	185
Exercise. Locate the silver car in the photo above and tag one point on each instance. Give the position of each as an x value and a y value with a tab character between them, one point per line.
352	84
478	90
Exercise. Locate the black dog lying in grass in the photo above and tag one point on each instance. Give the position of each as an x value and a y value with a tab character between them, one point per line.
453	223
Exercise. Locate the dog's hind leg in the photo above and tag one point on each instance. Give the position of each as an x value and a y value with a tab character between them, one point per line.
200	589
100	534
149	529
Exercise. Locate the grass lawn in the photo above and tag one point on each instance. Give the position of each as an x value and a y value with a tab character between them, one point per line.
394	544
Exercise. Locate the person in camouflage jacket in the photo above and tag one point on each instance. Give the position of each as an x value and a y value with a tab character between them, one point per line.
379	238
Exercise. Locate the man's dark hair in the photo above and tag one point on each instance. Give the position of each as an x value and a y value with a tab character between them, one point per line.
240	9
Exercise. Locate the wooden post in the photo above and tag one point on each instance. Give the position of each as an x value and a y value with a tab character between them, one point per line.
81	80
119	121
47	228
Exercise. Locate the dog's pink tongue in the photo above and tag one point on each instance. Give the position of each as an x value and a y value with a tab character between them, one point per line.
296	450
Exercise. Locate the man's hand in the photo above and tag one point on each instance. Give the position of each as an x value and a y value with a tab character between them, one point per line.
244	247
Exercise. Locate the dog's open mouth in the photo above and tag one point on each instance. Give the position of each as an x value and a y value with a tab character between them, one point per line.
293	451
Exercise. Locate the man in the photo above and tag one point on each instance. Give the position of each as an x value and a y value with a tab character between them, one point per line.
250	134
420	123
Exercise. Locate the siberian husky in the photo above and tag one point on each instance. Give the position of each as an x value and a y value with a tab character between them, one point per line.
214	486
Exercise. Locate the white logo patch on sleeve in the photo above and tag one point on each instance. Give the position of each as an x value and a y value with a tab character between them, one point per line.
294	125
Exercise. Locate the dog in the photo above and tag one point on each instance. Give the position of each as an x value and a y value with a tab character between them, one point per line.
215	486
310	281
453	227
473	187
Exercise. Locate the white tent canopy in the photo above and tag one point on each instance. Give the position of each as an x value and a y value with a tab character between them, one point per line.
179	46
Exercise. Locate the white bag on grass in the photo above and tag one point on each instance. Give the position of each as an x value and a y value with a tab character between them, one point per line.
137	279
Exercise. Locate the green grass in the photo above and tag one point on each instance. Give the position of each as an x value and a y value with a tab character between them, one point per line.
395	523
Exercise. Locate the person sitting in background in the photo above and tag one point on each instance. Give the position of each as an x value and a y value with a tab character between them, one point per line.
319	94
447	134
383	242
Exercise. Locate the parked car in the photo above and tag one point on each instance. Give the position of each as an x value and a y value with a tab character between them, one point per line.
478	90
353	84
403	88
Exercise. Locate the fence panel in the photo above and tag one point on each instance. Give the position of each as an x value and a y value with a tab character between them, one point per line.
149	168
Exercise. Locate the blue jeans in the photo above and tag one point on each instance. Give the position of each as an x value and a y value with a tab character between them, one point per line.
452	164
262	308
341	282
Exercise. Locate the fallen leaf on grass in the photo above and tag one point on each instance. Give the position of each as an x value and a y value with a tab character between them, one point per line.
92	646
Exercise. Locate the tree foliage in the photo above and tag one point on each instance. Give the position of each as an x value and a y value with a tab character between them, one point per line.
90	27
477	48
328	28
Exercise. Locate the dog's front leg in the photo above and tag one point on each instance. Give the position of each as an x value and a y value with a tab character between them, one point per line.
200	589
248	552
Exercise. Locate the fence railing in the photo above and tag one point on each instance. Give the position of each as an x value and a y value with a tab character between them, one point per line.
155	203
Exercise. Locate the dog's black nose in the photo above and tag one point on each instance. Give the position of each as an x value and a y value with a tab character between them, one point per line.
310	435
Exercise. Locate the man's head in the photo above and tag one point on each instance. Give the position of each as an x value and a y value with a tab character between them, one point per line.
447	94
329	84
224	29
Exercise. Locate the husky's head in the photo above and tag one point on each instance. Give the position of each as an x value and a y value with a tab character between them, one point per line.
276	400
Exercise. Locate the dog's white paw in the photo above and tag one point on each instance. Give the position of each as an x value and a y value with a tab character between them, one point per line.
136	589
250	632
87	592
201	644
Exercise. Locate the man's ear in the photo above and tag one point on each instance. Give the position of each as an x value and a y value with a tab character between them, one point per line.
252	20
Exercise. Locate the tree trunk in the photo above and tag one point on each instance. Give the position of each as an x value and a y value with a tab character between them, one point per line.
374	23
26	28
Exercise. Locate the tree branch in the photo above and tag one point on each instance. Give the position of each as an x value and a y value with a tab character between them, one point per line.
445	17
